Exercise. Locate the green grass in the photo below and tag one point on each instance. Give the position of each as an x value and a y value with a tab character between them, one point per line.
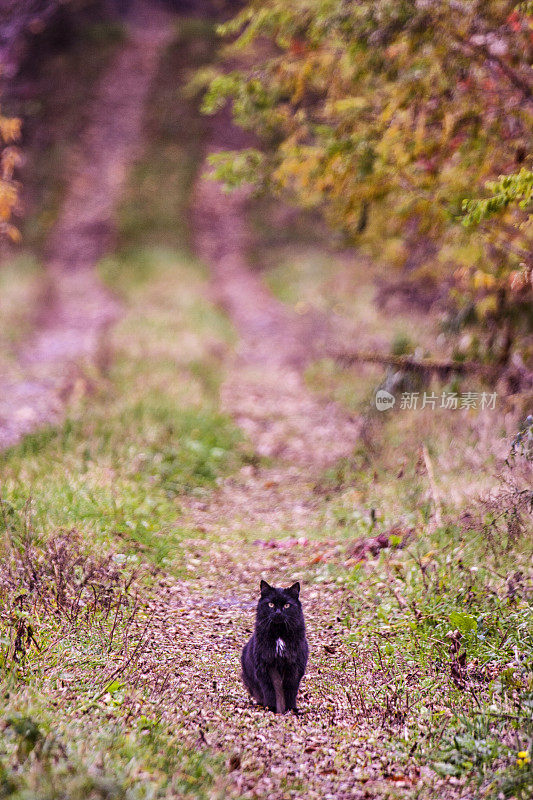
77	760
440	630
151	431
147	434
19	291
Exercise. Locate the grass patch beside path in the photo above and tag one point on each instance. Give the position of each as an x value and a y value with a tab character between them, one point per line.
78	761
442	631
71	724
19	292
146	435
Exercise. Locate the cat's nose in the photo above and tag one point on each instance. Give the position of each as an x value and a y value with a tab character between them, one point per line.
278	610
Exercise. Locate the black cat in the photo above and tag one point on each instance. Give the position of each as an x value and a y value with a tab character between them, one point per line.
274	660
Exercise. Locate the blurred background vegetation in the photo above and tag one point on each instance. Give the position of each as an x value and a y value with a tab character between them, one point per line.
408	126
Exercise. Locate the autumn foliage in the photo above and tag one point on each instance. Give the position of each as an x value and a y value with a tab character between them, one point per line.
387	115
9	158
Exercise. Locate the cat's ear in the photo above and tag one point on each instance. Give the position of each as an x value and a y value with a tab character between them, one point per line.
265	587
294	590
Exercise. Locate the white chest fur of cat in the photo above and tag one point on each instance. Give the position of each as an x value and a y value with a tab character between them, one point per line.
280	647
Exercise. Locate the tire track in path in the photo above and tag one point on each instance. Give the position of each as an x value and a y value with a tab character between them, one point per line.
265	390
77	309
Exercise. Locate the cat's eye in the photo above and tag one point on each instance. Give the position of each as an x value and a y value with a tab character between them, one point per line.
271	605
287	605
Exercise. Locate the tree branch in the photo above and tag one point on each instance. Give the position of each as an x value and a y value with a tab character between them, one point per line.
441	367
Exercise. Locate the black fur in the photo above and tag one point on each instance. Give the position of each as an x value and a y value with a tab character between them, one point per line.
274	660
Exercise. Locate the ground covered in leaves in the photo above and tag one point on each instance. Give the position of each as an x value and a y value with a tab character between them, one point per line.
135	535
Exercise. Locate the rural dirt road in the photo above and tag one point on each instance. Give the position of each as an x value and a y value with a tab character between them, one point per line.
76	309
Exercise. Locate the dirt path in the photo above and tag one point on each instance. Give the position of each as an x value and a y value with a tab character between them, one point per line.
324	752
265	390
190	673
77	309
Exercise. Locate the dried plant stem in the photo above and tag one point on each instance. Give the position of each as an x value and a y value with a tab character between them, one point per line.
433	486
119	670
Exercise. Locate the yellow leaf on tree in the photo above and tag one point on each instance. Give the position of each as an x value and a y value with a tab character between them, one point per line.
488	305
